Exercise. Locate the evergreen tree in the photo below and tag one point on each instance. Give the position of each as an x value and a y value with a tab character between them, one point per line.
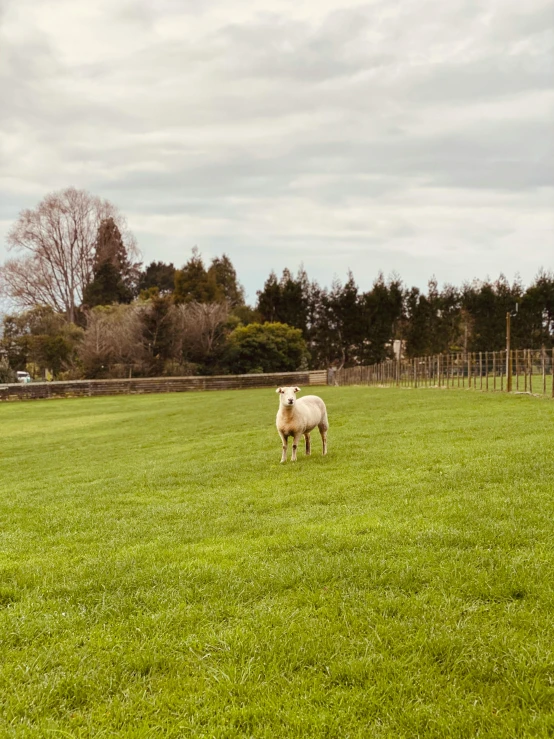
269	299
194	283
294	300
323	336
335	323
451	336
114	277
381	312
14	343
160	275
487	304
40	337
433	322
159	332
416	332
535	319
345	316
223	273
286	300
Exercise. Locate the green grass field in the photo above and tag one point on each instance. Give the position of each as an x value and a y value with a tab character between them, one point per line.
162	575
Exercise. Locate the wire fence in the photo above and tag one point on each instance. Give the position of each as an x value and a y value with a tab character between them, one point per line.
526	371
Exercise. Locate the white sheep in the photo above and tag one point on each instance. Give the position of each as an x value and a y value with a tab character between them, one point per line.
298	417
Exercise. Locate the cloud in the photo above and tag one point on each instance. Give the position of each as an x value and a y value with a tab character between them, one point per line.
287	131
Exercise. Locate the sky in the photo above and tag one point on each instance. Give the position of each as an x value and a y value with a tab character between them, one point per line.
407	136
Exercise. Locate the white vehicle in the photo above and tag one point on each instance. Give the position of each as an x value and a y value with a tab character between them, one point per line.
23	376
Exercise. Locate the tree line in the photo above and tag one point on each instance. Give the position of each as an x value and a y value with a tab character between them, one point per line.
87	307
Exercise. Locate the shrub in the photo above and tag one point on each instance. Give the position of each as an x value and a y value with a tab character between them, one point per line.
269	347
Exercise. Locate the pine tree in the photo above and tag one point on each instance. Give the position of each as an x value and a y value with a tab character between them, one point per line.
224	275
381	311
269	299
286	300
487	304
194	283
114	277
535	319
160	275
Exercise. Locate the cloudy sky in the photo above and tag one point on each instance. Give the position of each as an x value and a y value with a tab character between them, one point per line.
406	135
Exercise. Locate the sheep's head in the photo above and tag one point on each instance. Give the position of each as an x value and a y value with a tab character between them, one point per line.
287	395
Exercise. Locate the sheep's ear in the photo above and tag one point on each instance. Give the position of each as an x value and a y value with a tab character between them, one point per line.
279	390
296	389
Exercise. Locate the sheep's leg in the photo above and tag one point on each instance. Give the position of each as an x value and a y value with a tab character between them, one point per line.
295	440
308	444
285	440
324	440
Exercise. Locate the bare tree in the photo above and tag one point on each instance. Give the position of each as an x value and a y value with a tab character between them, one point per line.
113	336
57	242
202	326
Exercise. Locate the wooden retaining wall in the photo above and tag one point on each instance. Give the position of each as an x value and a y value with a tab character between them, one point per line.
139	385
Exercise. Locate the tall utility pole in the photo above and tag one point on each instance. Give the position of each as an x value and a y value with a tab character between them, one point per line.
508	358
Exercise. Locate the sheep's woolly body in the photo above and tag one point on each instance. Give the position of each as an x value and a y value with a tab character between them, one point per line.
297	418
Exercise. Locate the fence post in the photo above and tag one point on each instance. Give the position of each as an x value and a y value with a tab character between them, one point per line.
508	357
441	370
525	368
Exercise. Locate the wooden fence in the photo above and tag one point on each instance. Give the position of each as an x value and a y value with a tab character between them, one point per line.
527	371
78	388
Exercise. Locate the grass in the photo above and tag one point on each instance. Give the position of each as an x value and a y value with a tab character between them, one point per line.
162	575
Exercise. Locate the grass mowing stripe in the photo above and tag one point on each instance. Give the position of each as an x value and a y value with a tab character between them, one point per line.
161	574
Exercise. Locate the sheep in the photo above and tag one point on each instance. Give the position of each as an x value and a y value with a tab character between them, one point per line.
297	417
